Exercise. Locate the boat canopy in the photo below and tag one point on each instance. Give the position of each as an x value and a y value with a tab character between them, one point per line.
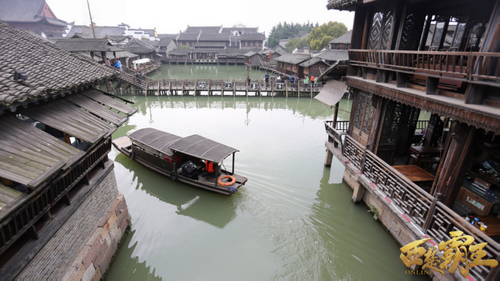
202	148
155	139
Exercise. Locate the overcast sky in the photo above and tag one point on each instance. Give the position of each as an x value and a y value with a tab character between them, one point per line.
173	16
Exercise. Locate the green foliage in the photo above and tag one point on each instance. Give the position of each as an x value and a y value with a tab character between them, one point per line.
321	35
295	43
285	31
373	210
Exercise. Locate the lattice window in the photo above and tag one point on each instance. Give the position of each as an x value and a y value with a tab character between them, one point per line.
391	123
386	30
367	124
360	108
408	32
459	33
477	35
376	30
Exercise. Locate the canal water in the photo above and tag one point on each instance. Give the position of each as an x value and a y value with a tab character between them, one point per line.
216	72
293	220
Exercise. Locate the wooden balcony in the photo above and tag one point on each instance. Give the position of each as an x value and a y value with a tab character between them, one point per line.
424	211
21	214
472	67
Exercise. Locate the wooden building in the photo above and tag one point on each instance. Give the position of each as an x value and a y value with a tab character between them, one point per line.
58	192
407	58
289	64
143	49
313	67
35	16
342	42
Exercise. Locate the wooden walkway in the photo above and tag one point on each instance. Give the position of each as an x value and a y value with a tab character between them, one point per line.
227	87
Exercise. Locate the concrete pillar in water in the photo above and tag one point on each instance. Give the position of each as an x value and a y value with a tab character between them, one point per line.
328	158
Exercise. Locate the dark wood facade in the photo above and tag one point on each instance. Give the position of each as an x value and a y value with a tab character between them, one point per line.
436	57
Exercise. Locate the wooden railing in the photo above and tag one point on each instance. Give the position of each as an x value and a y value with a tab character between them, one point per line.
423	210
474	67
421	125
16	221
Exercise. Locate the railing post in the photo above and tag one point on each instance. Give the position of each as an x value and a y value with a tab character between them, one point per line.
430	213
364	160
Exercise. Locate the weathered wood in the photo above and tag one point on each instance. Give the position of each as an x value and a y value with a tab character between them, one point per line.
97	109
109	101
8	194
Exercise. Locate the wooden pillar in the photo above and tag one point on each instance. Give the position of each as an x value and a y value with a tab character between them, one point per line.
335	115
234	88
431	86
222	86
426	33
457	161
286	88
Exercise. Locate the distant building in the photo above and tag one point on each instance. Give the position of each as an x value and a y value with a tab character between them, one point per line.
217	37
342	42
32	15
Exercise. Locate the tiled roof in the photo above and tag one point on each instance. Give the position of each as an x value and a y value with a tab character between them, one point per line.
333	55
203	29
50	69
188	37
25	11
165	41
252	36
240	29
84	45
343	39
210	44
214	37
293	58
137	46
312	61
100	31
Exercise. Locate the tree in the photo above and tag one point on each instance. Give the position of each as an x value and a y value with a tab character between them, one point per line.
295	43
285	31
321	35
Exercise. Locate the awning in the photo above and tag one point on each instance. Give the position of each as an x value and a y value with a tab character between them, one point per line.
332	92
139	61
155	139
202	148
29	155
84	116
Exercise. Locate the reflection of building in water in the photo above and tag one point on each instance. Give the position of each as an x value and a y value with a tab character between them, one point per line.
58	192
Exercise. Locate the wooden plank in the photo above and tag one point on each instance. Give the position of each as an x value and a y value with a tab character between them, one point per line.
80	116
111	102
29	130
27	143
36	144
97	109
7	147
15	176
8	194
55	123
22	159
29	164
45	175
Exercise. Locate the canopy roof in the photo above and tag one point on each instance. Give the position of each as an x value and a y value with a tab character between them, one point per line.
155	139
203	148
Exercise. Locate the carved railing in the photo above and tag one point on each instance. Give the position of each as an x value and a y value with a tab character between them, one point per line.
16	221
425	211
463	66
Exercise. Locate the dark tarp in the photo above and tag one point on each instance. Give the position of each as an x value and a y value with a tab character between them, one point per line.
332	92
203	148
155	139
29	155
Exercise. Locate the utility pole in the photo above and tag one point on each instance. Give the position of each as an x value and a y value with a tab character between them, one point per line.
91	22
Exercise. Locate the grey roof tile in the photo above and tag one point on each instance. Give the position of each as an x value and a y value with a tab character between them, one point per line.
50	69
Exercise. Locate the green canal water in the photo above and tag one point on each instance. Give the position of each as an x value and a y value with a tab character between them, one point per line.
293	220
214	71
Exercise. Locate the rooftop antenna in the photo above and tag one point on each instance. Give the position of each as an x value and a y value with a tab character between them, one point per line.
91	22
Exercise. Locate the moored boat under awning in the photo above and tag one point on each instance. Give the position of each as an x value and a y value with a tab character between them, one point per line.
332	92
202	148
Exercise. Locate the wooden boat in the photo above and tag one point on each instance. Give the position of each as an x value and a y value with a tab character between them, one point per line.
186	159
